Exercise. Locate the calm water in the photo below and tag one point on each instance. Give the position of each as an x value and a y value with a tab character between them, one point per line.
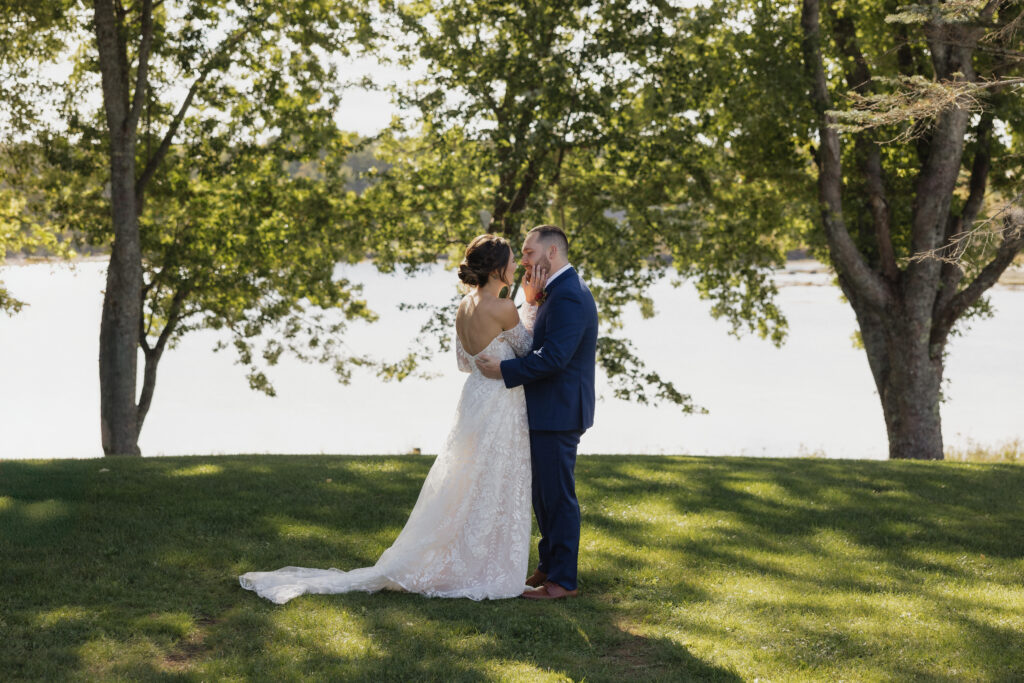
813	396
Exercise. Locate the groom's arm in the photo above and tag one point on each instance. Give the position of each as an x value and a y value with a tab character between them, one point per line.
562	337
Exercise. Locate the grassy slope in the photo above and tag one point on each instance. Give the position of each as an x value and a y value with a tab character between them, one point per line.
702	568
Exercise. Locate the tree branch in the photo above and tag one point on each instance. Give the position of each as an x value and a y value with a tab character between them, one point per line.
529	179
153	356
108	44
173	316
859	79
904	53
122	53
989	10
557	175
937	178
179	116
142	72
956	226
143	330
1012	244
907	63
830	174
979	172
510	161
165	144
872	168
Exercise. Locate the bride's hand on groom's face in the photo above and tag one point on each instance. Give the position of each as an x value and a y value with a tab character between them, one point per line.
490	367
534	280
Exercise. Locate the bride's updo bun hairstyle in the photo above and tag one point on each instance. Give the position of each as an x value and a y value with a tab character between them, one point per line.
484	255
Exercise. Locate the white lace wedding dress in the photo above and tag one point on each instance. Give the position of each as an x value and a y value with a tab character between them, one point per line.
468	534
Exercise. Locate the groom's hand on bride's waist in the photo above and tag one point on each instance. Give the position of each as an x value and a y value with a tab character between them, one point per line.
490	366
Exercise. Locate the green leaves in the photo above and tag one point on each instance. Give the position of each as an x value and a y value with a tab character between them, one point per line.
254	233
632	381
610	120
948	12
30	47
660	138
524	116
244	204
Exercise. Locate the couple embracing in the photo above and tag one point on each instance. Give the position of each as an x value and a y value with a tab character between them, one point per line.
523	409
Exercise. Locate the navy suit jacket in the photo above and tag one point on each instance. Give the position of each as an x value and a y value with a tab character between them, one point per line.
558	376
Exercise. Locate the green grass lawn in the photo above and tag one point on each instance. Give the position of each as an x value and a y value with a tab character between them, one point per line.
691	568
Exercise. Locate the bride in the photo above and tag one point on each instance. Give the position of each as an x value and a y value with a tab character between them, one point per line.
468	534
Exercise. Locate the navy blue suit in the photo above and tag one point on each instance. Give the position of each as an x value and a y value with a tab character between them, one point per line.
558	380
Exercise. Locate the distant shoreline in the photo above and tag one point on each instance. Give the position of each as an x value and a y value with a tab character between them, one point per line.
1013	277
22	260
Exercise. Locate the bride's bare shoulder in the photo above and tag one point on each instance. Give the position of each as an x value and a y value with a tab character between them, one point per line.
507	313
466	305
462	312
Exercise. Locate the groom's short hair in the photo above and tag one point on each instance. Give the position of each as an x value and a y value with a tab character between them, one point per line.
547	233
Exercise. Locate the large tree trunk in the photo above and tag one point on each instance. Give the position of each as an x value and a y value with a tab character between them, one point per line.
122	301
908	375
906	363
122	308
910	402
905	314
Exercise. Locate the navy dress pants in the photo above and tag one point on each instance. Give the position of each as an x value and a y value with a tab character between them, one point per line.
553	455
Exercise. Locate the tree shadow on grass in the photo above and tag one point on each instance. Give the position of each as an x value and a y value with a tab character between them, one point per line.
955	508
852	528
415	638
132	572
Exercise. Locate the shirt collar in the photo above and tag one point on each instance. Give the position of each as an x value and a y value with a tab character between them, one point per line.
554	276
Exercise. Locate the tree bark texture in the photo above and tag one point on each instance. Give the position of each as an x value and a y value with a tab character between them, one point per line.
908	377
904	314
122	301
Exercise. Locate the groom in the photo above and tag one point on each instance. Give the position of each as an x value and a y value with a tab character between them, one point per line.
558	379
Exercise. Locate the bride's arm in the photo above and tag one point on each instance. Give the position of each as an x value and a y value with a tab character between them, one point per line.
521	336
528	315
516	333
465	361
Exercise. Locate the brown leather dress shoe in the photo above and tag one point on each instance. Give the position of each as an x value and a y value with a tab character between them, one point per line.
536	579
549	591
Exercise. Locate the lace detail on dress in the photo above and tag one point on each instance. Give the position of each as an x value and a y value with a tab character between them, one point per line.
528	315
469	533
520	339
464	359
